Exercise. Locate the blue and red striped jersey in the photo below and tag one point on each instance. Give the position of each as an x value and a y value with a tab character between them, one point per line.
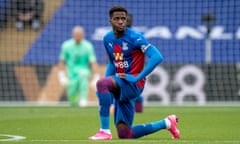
127	52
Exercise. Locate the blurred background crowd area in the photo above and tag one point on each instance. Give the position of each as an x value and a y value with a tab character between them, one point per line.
199	40
15	40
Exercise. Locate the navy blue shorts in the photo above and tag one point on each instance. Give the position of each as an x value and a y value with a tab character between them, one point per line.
124	104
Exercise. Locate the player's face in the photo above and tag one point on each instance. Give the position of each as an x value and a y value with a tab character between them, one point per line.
118	21
78	36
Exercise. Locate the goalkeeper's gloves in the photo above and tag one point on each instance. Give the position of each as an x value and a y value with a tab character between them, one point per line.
94	80
62	78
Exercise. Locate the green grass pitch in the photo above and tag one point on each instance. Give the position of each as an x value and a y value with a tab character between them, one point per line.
73	125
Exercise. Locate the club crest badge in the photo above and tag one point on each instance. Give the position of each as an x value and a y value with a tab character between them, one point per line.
124	46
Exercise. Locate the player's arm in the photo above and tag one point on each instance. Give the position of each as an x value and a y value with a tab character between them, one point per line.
110	69
61	65
62	76
93	61
62	56
154	55
94	66
96	75
155	58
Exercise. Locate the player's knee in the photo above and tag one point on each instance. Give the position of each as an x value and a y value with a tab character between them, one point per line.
100	82
125	133
104	84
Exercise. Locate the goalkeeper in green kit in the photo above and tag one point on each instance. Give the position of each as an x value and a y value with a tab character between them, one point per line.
77	64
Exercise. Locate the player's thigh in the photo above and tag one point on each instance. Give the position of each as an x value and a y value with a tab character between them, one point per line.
127	91
123	112
139	98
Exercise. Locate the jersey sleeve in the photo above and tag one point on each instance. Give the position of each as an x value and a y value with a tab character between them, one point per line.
141	43
110	70
106	47
62	56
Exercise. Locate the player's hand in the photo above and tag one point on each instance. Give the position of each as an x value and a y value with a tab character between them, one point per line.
121	75
128	77
131	78
62	78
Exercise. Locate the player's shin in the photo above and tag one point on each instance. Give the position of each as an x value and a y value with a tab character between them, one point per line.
149	128
104	103
105	100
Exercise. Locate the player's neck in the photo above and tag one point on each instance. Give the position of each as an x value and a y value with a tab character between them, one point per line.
77	42
119	34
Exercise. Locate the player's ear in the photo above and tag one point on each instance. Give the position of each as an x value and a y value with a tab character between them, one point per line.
110	21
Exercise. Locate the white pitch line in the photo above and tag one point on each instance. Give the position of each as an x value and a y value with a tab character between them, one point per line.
11	137
148	141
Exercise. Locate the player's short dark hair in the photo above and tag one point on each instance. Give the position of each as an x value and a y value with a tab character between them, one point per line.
117	9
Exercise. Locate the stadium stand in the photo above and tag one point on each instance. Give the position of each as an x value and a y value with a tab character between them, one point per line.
179	28
14	44
172	26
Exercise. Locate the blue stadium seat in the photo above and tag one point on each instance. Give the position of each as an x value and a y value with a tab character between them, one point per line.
149	14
